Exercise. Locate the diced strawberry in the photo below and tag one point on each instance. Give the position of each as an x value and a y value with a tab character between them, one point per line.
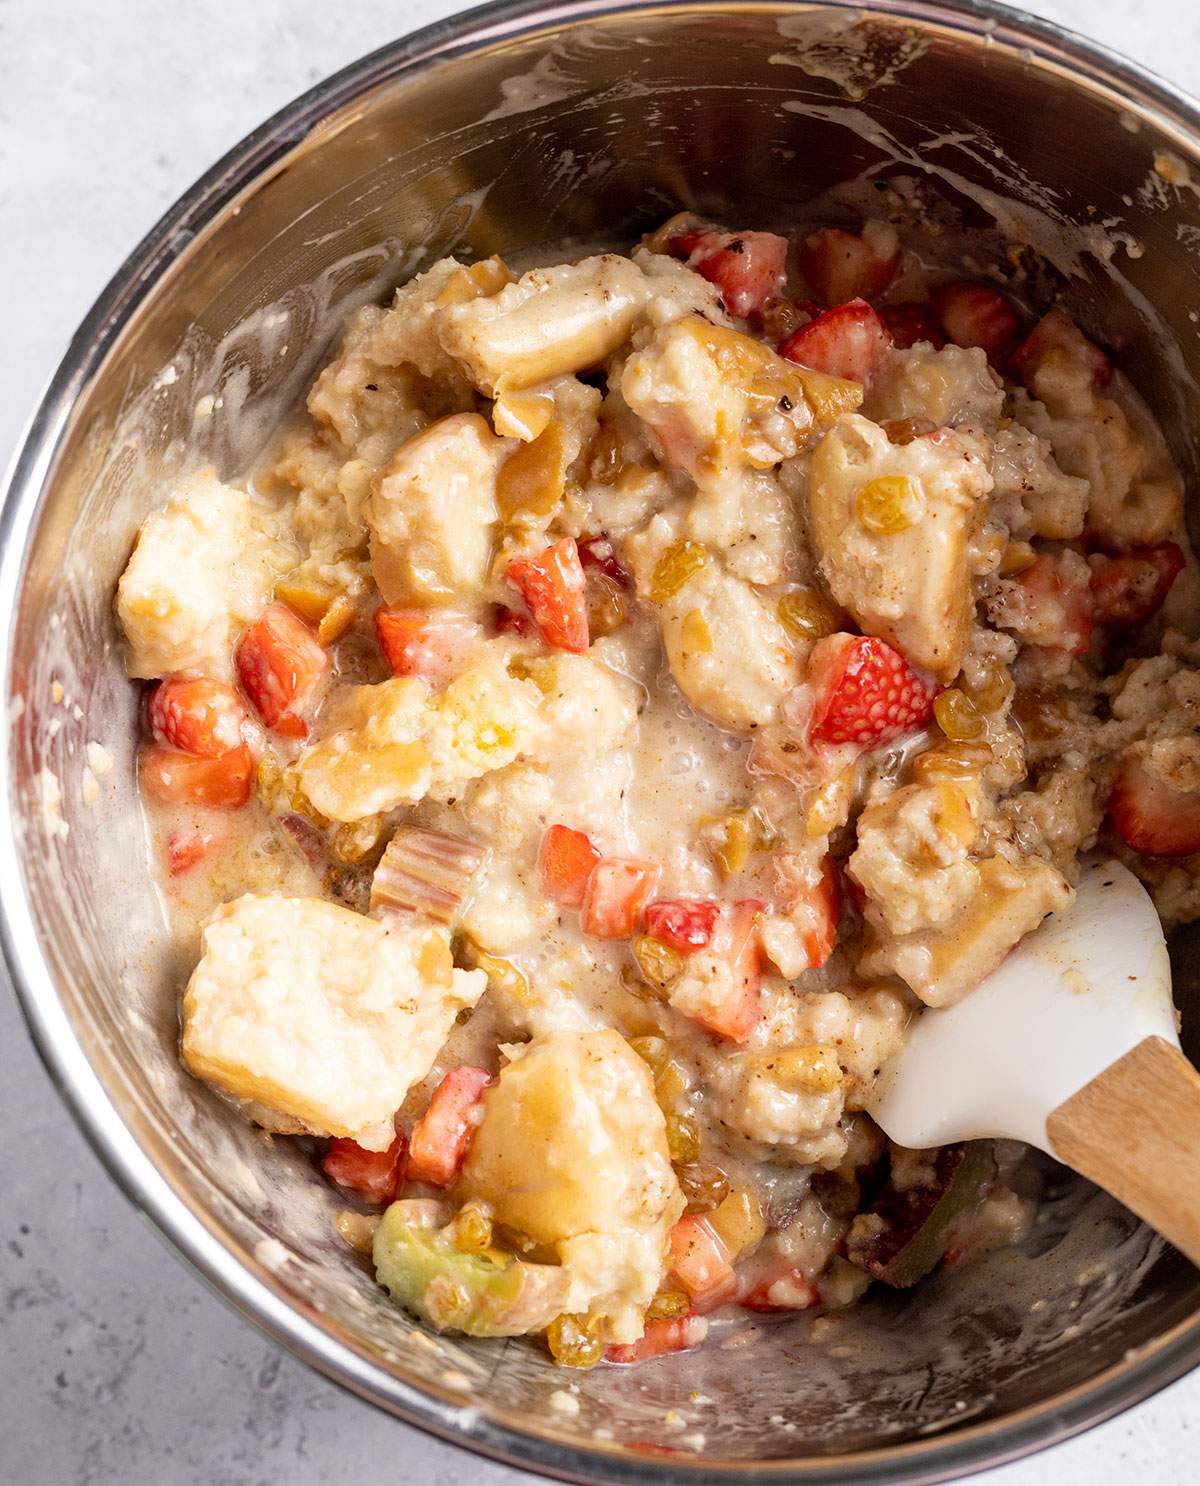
700	1261
812	895
514	622
864	692
279	663
374	1175
747	267
1130	589
565	863
196	715
1057	602
1056	331
841	265
976	315
173	778
909	323
424	642
661	1338
552	585
438	1144
848	341
599	553
1151	815
684	923
737	941
186	848
788	1290
617	893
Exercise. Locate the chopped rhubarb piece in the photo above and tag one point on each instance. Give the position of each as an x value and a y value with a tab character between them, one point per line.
813	898
976	315
789	1289
684	923
374	1175
699	1260
423	642
426	872
438	1144
747	267
617	893
841	265
1151	815
599	553
909	323
661	1338
552	585
1130	589
565	863
186	848
847	342
736	941
1056	331
172	778
196	715
279	663
864	692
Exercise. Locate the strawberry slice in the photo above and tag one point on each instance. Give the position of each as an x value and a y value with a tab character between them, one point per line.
787	1290
600	554
1129	590
552	585
374	1175
565	863
1056	607
1151	815
864	692
616	895
1056	331
847	342
173	778
700	1261
423	642
841	265
196	715
812	894
438	1144
909	323
747	267
685	924
279	663
186	848
976	315
661	1338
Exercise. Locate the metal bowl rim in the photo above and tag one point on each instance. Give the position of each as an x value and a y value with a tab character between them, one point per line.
242	1280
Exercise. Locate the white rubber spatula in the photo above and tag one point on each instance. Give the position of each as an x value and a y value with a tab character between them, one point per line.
1070	1045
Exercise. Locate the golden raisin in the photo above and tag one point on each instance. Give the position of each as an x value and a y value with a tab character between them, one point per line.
683	1139
655	1052
887	505
573	1342
780	317
705	1187
738	1222
1041	712
668	1305
957	715
901	431
806	615
356	840
658	962
471	1229
951	761
605	456
1017	556
993	689
681	561
605	605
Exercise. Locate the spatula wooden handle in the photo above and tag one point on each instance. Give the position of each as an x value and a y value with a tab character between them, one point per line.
1135	1131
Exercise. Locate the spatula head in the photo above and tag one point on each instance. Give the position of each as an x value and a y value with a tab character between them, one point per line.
1073	997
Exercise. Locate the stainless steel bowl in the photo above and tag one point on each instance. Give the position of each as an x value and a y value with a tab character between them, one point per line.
509	127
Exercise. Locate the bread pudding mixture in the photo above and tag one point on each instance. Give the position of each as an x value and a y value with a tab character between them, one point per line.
634	691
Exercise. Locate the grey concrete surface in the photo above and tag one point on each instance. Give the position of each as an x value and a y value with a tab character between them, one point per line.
117	1368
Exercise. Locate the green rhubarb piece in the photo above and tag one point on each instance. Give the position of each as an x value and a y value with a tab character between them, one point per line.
488	1294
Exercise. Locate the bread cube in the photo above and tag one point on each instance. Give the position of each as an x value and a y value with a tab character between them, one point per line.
320	1014
373	753
203	568
908	582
